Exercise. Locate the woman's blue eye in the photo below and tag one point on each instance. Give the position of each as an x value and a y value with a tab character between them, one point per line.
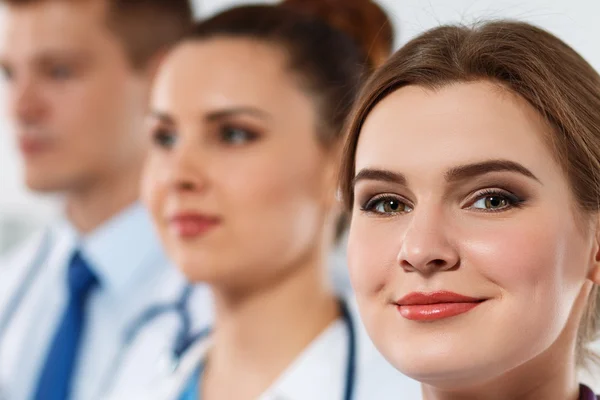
164	138
236	136
387	205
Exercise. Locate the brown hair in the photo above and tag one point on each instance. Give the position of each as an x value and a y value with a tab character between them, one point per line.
146	27
526	60
331	47
328	44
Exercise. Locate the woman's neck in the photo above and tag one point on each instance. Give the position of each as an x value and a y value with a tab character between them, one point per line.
258	335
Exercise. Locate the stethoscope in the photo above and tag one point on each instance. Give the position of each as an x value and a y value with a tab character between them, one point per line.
350	375
184	339
350	372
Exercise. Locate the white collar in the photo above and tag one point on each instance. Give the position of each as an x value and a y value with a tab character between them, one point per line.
318	372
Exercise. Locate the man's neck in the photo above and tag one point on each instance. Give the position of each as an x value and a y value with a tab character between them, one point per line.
92	206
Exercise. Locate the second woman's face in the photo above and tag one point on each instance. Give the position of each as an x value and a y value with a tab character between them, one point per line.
466	250
236	180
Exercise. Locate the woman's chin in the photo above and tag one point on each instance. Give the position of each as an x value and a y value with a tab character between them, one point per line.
197	272
446	373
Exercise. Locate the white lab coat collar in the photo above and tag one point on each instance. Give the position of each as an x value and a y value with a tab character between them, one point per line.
16	265
47	247
319	373
172	387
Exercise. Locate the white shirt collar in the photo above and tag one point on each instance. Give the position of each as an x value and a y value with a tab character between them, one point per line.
319	372
122	250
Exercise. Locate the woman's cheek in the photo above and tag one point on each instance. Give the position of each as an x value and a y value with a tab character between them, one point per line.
372	251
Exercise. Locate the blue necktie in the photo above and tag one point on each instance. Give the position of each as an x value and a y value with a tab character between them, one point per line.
55	378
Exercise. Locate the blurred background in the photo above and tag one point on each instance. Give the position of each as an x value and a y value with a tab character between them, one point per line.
575	21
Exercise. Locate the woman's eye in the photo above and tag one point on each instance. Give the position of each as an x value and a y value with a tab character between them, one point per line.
236	136
7	73
164	138
495	202
386	205
60	72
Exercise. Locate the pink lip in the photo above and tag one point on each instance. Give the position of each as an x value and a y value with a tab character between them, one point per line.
191	224
435	306
30	147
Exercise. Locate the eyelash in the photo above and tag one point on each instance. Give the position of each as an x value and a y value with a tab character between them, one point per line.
512	200
60	72
160	137
370	205
224	130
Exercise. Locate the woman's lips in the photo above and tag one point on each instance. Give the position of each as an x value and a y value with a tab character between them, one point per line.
31	146
192	225
435	306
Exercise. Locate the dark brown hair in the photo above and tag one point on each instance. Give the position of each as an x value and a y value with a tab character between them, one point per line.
331	48
330	62
529	62
146	27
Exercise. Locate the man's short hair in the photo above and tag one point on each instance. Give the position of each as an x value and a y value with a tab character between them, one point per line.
146	27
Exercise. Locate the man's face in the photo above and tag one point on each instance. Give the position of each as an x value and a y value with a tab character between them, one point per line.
76	102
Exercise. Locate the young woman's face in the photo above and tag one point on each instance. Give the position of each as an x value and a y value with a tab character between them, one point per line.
237	180
466	250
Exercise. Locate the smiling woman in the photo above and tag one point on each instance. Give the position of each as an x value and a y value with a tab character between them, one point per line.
472	172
